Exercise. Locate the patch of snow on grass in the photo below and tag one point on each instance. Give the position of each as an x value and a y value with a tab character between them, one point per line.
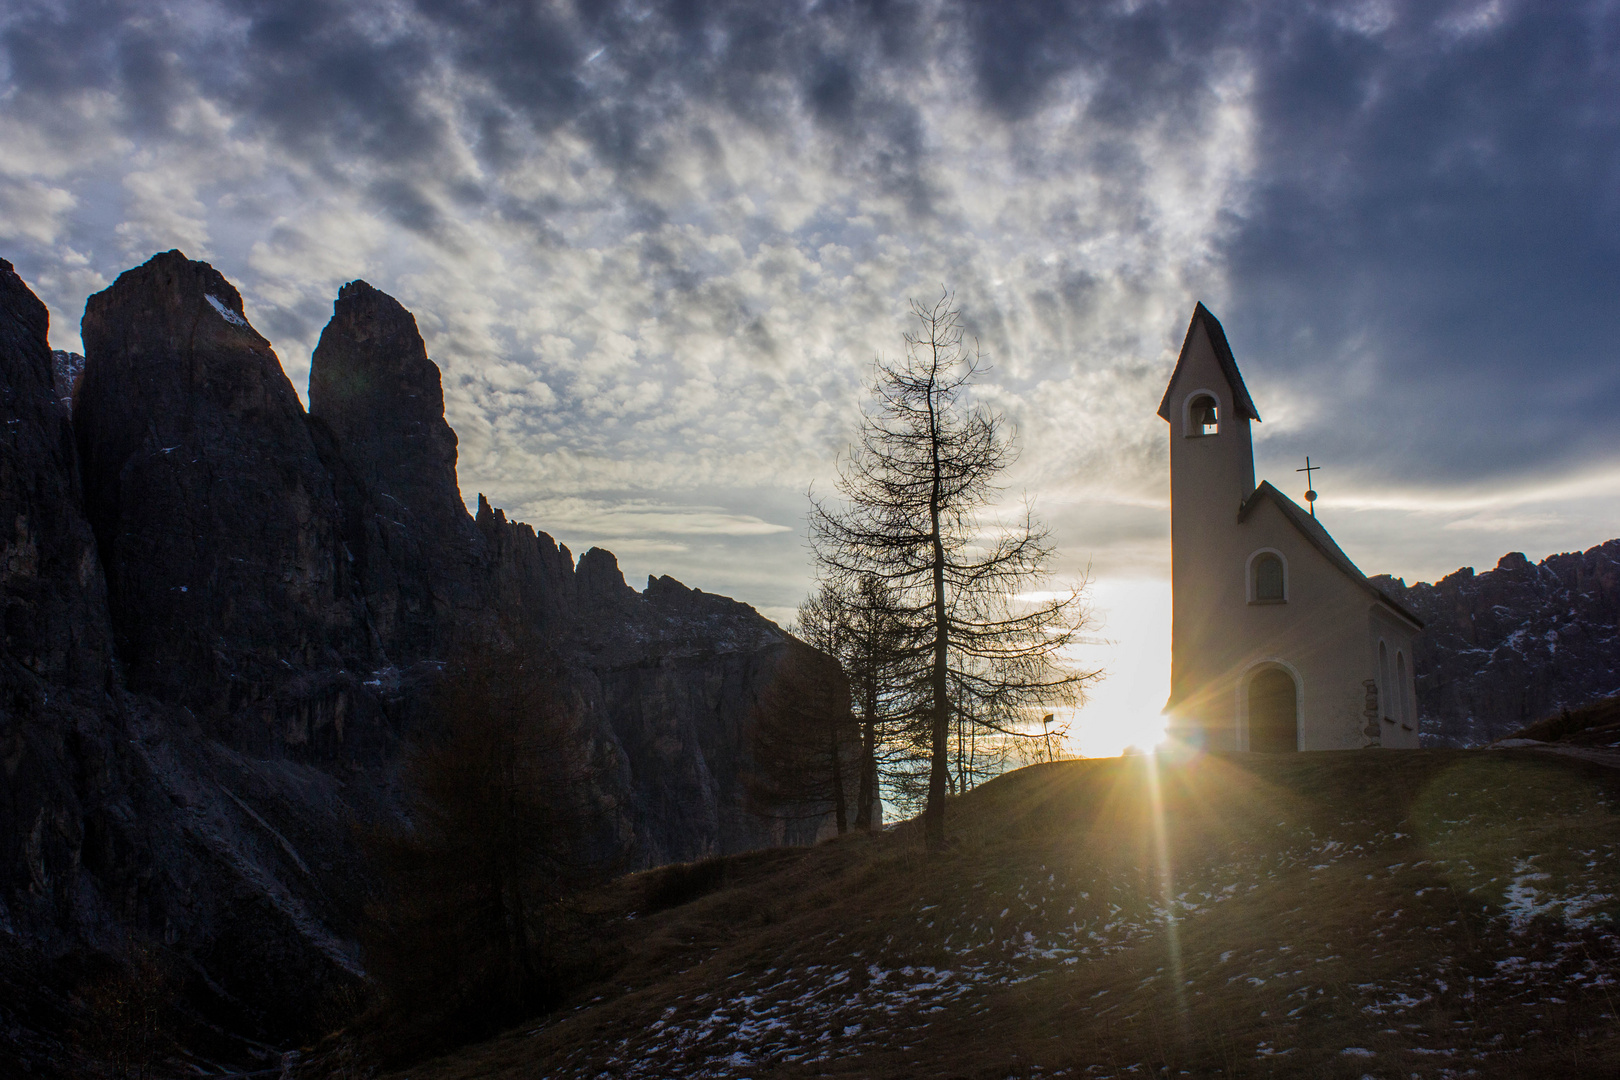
1522	902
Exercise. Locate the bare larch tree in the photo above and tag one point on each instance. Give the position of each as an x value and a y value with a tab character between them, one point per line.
917	489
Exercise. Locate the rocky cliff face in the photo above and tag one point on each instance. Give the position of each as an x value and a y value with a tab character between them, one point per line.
120	819
56	660
66	370
1507	647
54	594
220	618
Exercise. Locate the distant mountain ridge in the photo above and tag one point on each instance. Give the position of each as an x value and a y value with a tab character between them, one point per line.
1508	647
220	617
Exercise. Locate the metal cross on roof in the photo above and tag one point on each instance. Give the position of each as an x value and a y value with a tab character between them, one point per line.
1310	495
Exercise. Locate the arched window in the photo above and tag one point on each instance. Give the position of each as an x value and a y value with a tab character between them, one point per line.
1386	689
1203	416
1268	578
1403	695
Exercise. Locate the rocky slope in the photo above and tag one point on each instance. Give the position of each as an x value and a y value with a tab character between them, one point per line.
220	613
1508	647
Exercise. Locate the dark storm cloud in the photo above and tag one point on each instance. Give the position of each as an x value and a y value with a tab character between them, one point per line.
326	86
362	80
1438	203
336	83
1147	58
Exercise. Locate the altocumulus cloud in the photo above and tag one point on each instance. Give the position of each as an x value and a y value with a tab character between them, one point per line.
655	246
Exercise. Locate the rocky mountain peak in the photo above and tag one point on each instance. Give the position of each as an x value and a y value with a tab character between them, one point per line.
173	327
26	316
376	407
186	298
215	518
599	578
52	624
372	383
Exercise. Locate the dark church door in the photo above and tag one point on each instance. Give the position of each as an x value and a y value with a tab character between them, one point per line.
1273	712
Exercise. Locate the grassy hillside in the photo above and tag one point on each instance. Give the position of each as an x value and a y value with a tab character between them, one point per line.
1425	913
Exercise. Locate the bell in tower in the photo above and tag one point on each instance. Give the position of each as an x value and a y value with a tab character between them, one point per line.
1203	419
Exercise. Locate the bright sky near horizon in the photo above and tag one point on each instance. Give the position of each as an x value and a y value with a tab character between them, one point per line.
654	248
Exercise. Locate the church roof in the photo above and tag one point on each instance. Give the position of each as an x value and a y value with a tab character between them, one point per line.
1319	538
1223	353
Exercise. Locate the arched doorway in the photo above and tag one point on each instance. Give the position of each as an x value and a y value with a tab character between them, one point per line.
1273	712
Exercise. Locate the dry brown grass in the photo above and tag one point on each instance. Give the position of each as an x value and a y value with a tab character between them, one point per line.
1334	915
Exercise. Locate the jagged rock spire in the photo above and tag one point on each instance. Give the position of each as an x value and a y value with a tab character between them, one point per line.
216	520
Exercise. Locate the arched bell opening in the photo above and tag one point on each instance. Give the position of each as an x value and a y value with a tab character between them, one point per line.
1203	415
1273	711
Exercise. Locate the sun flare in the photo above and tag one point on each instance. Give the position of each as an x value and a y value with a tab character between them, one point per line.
1131	643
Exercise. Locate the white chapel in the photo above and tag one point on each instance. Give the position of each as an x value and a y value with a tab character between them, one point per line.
1278	641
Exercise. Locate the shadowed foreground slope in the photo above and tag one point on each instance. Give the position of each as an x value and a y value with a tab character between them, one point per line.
1427	913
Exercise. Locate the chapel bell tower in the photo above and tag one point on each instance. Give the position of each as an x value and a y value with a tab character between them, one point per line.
1211	473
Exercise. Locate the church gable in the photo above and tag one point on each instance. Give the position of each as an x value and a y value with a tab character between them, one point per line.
1211	327
1318	537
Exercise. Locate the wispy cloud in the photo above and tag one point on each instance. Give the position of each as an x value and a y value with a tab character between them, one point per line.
1483	496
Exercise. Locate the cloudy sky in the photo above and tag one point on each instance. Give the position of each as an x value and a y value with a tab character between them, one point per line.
655	246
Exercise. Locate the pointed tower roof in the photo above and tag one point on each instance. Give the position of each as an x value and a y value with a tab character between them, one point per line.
1223	353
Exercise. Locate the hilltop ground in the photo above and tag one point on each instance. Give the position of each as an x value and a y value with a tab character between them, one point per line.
1413	914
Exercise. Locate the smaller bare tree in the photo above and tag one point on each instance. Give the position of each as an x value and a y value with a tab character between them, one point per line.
856	622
